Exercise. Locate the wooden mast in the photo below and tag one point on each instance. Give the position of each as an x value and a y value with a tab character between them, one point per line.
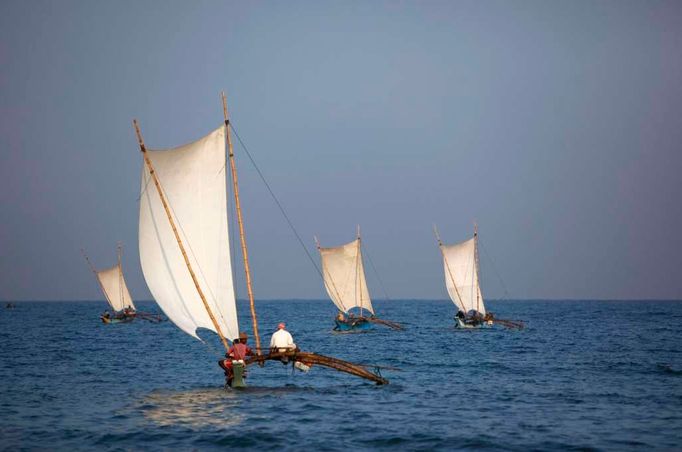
447	265
152	173
358	283
478	280
242	237
120	273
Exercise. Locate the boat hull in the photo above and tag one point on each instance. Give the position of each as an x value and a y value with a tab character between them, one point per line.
463	324
238	375
353	324
126	319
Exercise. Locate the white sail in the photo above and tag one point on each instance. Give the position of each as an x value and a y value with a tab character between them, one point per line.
193	181
461	275
344	276
115	289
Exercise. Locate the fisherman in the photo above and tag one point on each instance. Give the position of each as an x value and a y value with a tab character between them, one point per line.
237	352
474	318
239	349
282	341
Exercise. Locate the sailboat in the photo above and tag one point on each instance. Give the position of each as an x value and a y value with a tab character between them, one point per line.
344	279
460	262
113	286
185	247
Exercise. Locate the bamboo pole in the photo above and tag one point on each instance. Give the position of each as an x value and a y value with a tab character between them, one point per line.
152	173
120	273
478	269
242	237
359	370
358	283
447	265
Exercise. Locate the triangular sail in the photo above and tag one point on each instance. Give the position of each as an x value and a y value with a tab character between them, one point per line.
194	184
115	288
461	275
344	276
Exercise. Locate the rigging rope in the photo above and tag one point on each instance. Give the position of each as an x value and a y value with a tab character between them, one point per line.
376	273
506	292
279	204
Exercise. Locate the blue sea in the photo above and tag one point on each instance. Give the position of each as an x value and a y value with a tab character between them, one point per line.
588	375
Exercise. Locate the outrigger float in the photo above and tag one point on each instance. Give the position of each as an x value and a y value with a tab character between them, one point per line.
185	247
460	262
343	273
113	286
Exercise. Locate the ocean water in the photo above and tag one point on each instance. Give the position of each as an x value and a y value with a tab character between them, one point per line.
582	375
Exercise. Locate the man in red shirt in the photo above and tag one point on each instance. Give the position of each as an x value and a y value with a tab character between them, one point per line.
237	352
239	349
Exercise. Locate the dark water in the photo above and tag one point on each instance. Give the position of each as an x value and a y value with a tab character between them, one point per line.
583	375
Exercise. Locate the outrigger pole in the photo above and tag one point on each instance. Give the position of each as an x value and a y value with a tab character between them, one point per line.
308	358
155	178
242	236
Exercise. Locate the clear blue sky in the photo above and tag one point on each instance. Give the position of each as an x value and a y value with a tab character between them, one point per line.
557	126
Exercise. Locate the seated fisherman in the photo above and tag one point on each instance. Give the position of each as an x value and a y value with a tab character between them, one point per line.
238	351
282	341
473	317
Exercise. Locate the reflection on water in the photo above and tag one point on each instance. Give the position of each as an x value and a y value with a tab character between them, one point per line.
196	408
205	406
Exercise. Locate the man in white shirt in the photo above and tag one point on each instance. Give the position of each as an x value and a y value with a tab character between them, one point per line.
281	340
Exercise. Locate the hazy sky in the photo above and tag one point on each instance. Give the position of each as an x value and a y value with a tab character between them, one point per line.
557	126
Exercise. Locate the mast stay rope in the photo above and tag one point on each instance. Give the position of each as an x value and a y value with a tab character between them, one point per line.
376	273
504	286
279	204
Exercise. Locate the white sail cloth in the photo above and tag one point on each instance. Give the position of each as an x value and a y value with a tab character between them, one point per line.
115	288
344	276
461	275
193	181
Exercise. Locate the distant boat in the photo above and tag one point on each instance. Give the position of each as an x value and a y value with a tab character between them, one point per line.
344	278
10	306
115	290
185	247
460	262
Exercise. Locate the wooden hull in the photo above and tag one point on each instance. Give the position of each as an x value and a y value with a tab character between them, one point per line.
353	324
238	375
126	319
463	324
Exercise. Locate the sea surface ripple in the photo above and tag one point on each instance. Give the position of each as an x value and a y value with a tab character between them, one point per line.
588	375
